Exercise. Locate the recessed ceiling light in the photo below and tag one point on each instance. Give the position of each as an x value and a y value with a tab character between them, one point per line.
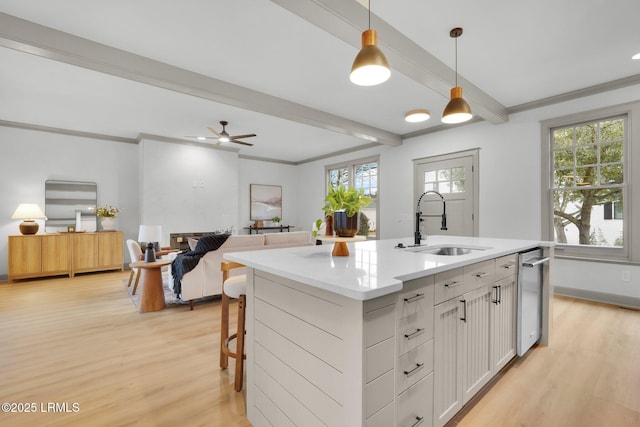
636	56
417	116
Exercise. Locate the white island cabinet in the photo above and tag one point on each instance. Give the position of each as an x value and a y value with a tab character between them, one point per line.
384	337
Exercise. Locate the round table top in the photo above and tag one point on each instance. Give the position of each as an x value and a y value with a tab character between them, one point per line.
341	239
155	264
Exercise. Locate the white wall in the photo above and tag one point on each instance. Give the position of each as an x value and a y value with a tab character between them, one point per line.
28	158
268	173
187	188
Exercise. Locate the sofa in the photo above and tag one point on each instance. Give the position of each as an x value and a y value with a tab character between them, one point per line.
206	278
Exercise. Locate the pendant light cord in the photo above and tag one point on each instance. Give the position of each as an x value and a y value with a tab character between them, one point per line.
456	60
369	14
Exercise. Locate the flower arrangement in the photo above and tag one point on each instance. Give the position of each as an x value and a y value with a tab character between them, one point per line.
107	211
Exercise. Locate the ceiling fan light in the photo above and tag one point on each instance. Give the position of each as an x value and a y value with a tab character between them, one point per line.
370	67
224	138
417	116
457	110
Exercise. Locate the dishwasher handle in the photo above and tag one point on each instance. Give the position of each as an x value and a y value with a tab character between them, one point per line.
535	263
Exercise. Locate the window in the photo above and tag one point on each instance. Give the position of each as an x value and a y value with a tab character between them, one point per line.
445	181
361	174
587	169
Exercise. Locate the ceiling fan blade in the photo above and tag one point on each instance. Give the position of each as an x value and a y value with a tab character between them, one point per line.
215	132
243	136
241	142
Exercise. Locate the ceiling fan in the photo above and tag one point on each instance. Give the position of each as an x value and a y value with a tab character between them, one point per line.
223	136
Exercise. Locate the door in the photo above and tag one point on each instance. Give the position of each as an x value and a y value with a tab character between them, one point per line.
453	176
476	360
503	322
448	350
55	253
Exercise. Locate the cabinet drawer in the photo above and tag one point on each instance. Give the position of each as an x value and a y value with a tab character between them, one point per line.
415	299
416	404
448	284
413	366
479	274
415	330
506	266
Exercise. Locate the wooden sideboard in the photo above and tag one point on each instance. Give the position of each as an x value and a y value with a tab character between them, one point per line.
41	255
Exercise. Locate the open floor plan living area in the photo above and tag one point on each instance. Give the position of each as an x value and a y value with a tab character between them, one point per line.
344	213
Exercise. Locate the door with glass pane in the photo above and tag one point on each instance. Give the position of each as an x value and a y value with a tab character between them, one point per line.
453	176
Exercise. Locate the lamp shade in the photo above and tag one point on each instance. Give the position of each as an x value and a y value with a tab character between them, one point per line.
28	212
457	110
417	116
150	233
370	67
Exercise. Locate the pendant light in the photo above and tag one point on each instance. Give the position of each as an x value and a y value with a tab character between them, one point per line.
370	67
457	110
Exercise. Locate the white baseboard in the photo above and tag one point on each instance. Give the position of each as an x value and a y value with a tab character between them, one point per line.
621	300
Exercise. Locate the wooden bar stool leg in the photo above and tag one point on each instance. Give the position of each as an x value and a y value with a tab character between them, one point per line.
242	302
224	330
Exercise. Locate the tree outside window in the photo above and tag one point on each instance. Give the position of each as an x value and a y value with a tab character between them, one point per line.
588	177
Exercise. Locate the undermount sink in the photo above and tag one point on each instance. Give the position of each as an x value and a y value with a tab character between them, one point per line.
447	250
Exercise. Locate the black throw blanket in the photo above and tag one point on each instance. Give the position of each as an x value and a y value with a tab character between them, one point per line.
187	261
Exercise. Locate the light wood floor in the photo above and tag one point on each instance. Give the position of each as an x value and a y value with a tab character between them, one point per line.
81	340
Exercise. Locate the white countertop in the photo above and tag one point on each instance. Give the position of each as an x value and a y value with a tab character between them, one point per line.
375	267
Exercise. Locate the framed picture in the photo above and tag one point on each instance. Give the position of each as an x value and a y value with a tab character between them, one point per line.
266	201
71	229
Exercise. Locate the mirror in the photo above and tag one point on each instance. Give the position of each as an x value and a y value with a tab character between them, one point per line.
70	204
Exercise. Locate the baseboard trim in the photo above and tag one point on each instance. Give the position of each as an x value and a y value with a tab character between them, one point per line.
613	299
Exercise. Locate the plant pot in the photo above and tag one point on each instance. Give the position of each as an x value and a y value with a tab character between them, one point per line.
108	223
346	226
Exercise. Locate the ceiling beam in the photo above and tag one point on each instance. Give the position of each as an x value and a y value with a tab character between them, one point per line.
35	39
346	20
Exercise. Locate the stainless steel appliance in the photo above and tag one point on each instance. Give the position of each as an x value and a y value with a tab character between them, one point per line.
529	299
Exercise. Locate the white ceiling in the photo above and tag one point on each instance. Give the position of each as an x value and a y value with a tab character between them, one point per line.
511	53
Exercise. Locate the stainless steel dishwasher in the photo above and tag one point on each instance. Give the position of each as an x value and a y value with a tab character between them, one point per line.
530	276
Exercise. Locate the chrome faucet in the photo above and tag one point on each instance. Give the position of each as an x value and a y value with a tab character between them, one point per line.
417	237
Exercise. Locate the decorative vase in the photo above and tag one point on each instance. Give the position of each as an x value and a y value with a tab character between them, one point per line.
108	223
346	226
328	220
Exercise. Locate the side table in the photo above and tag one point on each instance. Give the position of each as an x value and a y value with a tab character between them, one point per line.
152	295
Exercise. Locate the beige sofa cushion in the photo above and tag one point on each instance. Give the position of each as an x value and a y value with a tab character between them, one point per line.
292	238
244	241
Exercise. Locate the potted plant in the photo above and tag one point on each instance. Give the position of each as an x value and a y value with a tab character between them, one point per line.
108	214
345	203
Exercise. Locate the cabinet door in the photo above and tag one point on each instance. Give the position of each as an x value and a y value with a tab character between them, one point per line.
85	251
25	255
110	251
476	364
55	254
448	348
503	322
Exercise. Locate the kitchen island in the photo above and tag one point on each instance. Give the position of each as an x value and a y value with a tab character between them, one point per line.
386	336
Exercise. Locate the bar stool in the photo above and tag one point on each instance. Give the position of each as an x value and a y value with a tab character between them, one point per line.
233	287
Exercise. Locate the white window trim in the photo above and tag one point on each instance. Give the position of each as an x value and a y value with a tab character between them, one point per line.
631	194
351	164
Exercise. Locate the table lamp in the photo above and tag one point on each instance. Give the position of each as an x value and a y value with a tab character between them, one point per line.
29	212
150	234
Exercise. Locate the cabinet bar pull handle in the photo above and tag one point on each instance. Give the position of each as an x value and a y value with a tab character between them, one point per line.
480	275
414	298
451	284
464	305
412	335
507	266
419	421
414	370
495	301
500	294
